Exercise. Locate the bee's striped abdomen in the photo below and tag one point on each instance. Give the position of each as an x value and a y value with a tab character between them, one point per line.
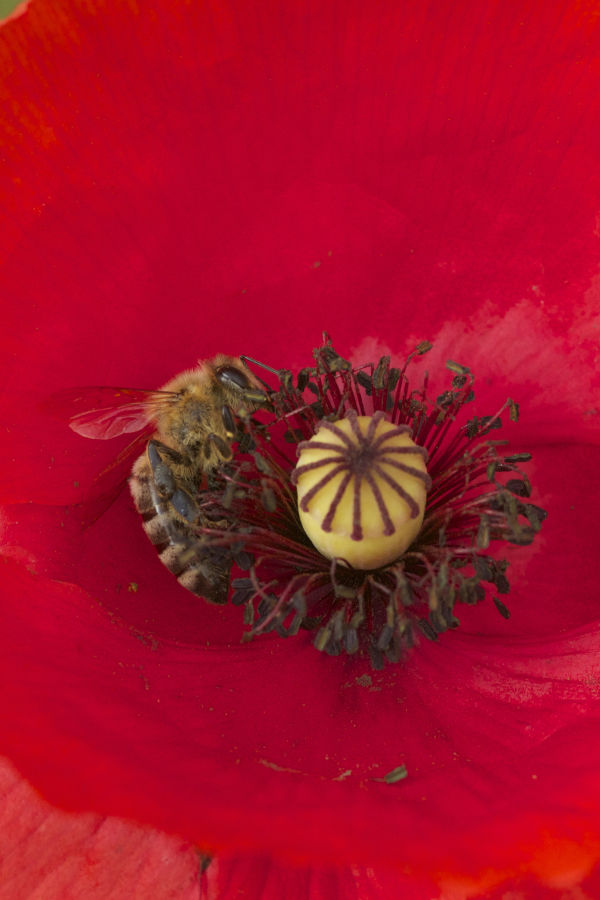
177	542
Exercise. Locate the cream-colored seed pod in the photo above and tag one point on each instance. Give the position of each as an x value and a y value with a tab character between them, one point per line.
362	487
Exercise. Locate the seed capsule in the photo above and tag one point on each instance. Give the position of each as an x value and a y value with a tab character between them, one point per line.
362	486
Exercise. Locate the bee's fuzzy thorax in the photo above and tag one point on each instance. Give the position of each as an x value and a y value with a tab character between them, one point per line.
188	377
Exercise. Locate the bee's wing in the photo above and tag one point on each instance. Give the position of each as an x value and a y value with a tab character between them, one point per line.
107	412
108	484
102	413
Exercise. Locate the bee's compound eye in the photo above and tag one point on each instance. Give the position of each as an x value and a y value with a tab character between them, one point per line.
229	375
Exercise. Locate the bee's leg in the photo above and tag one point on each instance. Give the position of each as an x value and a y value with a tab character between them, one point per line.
216	449
203	571
228	421
161	455
256	398
163	480
165	488
150	471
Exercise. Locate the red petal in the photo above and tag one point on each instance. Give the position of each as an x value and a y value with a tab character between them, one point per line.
253	745
52	854
264	878
559	866
443	162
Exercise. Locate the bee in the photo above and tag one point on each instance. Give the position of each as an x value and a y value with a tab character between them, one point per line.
188	427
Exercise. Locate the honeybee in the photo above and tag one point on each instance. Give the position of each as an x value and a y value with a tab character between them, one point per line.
191	426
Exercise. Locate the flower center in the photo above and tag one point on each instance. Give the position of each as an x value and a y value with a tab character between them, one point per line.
359	500
392	516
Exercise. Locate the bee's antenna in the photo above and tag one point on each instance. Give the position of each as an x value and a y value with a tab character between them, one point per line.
248	359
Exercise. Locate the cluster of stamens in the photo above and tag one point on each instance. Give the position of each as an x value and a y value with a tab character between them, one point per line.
476	496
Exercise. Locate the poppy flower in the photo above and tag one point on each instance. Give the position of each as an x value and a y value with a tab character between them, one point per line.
201	178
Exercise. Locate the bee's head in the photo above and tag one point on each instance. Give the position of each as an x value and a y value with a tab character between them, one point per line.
238	381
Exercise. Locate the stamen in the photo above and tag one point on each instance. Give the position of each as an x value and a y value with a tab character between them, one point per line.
393	516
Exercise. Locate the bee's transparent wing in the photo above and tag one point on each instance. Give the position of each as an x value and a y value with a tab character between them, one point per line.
108	412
